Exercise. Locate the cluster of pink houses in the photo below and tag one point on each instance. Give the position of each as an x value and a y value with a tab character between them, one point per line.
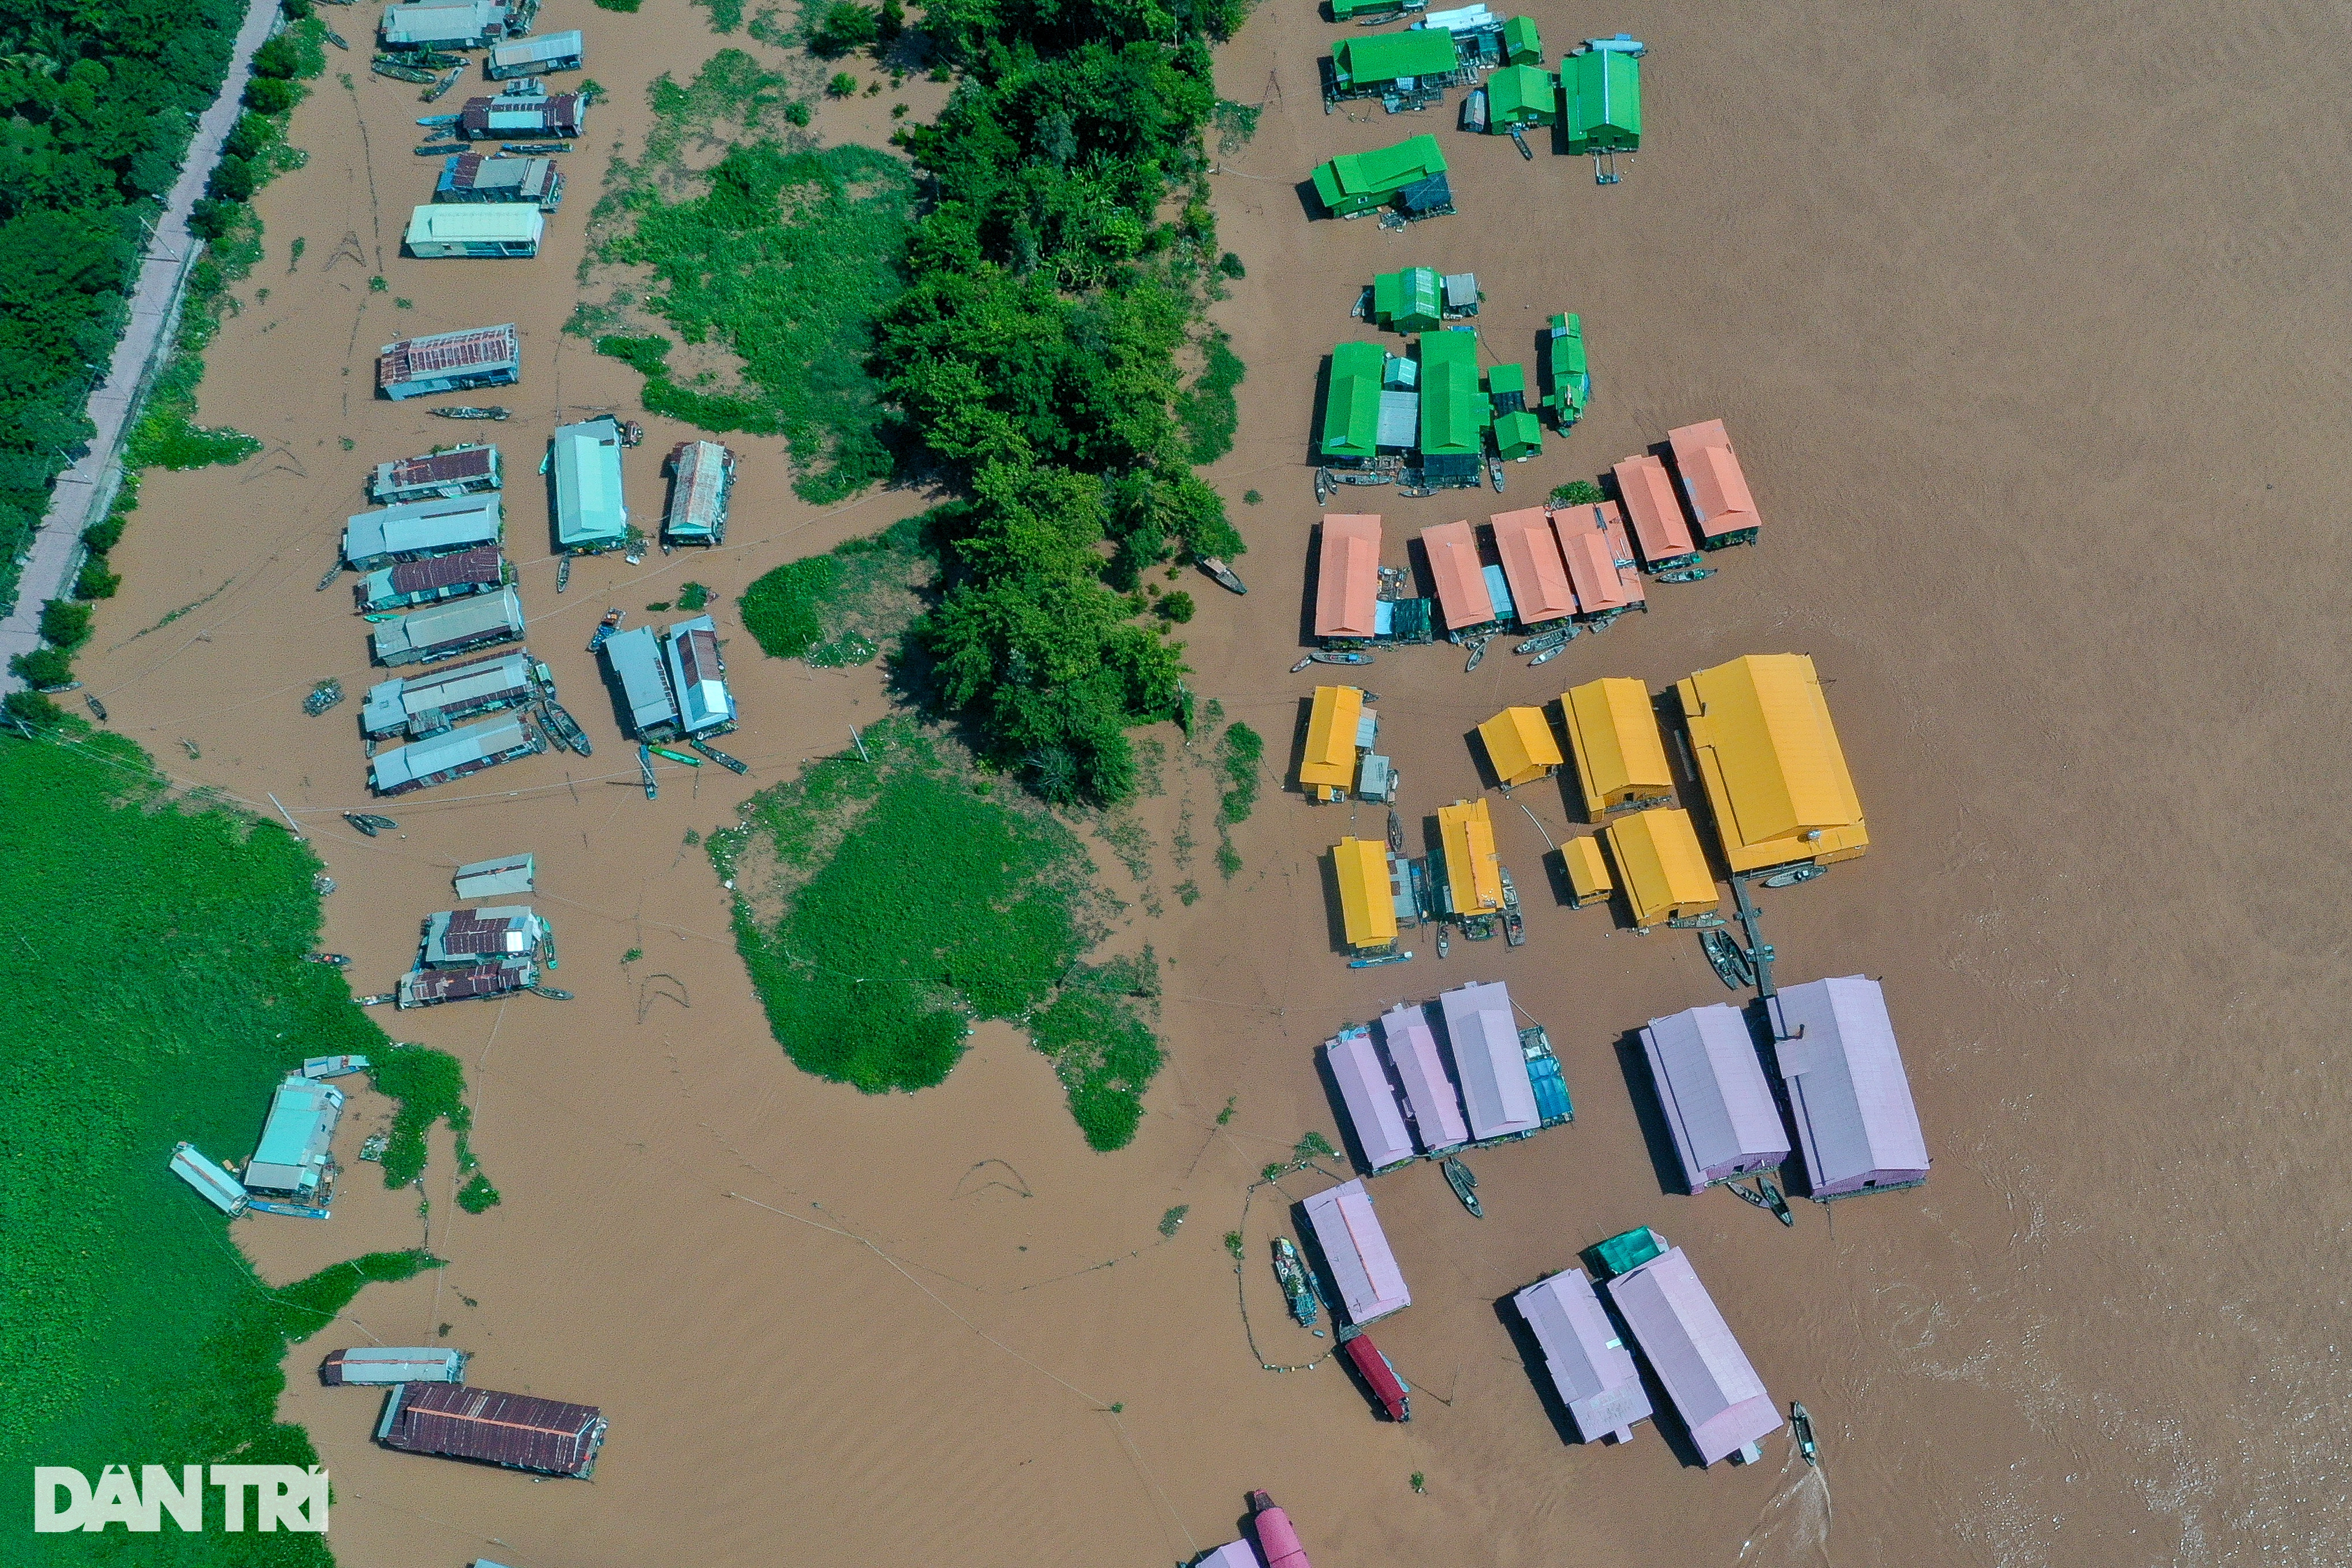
1410	1094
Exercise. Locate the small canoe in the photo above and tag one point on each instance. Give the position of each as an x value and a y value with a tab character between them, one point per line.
371	824
1795	875
98	708
438	118
1477	646
1800	1422
1444	940
438	149
336	38
1494	465
1723	955
402	73
1318	656
1775	1202
562	727
1692	574
536	148
733	765
440	89
337	959
1519	135
691	762
1396	833
1224	574
550	992
1544	642
1322	486
1376	961
463	411
1547	655
328	581
1465	1185
563	574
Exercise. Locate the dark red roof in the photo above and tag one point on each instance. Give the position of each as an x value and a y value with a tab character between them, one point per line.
461	984
698	656
515	1429
469	933
1387	1387
443	467
415	358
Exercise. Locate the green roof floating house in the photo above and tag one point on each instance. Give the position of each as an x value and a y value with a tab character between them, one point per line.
1409	175
1455	413
1522	45
1519	434
1413	301
1365	13
1351	405
1521	96
1404	70
1600	90
1571	383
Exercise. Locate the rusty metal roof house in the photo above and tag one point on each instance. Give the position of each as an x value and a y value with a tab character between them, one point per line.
1707	1376
526	117
460	939
564	51
1848	1094
1719	1110
378	1365
430	987
436	476
481	177
292	1158
1591	1368
414	531
412	583
516	1430
674	683
427	704
449	362
1375	1113
1485	1038
443	25
590	513
702	476
1347	577
1431	1101
444	631
1356	1253
453	755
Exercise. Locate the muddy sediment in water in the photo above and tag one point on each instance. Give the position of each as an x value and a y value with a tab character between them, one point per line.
2029	367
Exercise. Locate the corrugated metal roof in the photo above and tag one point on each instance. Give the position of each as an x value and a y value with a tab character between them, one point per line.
1588	1363
1665	870
1519	744
1365	908
1349	1232
1588	871
1454	415
1532	564
589	506
1497	1094
292	1154
547	46
422	635
456	690
475	348
1330	758
1372	1108
476	468
1386	170
1348	578
1849	1097
701	473
488	878
1713	479
1614	732
1591	541
1699	1362
634	659
1711	1088
473	223
1452	552
417	528
1384	56
1760	731
1648	492
1466	836
386	1364
405	767
697	676
1429	1093
1351	405
514	1429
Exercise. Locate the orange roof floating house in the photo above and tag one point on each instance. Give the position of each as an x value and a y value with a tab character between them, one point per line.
1769	755
1589	881
1663	868
1338	726
1533	567
1614	734
1715	485
1593	541
1462	593
1347	584
1648	493
1367	903
1473	883
1519	744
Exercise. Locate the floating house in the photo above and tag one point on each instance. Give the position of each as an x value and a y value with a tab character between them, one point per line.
1602	94
1522	45
1663	868
1719	1110
505	230
1519	434
1410	175
1848	1094
443	25
1348	578
460	939
1379	1374
590	514
516	1430
1648	495
430	580
536	117
1621	760
1472	883
702	476
1519	745
478	983
444	631
1351	405
218	1188
1600	560
418	530
1591	1368
1769	755
1339	730
1571	379
436	476
1373	1109
1366	875
1413	68
449	362
427	704
494	877
1522	95
483	177
293	1159
1356	1253
1715	485
1414	299
673	682
333	1067
1454	413
565	51
1706	1375
377	1365
1462	598
1532	566
1364	13
1431	1102
452	755
1589	881
1496	1092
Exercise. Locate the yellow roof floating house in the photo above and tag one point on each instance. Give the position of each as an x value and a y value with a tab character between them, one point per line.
1367	907
1620	758
1519	744
1465	836
1765	749
1333	726
1589	881
1664	869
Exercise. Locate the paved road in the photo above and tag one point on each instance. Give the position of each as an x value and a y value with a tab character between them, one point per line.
57	544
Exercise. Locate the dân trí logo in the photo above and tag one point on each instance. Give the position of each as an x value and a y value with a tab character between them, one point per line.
284	1497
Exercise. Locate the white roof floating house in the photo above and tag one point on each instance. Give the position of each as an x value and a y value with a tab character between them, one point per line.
427	704
1591	1368
452	755
1485	1035
494	877
479	228
443	25
1848	1093
590	514
378	1365
444	631
220	1189
449	362
1708	1377
1348	1234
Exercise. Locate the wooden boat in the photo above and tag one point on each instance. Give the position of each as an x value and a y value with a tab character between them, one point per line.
1723	955
1707	921
1224	574
1292	1273
371	824
563	572
632	434
465	411
564	729
536	148
339	960
440	89
1378	960
323	696
550	992
1444	940
1518	135
1477	646
1794	875
96	707
676	756
1688	574
1544	642
380	616
1514	927
1775	1202
1322	486
1494	473
429	120
1396	833
328	581
645	766
1754	1200
1465	1185
605	629
1800	1422
1547	655
379	1000
733	765
438	150
336	38
399	72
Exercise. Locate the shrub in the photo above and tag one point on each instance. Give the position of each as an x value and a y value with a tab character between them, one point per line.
297	10
1237	759
232	180
1176	607
271	95
843	26
65	624
252	135
211	219
843	85
693	596
95	580
43	667
1251	498
621	6
1231	266
478	1195
889	22
31	706
1579	492
796	112
279	58
100	538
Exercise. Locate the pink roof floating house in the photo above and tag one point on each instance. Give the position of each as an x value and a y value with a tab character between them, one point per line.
1593	541
1453	550
1373	1108
1485	1035
1370	1284
1714	482
1277	1540
1429	1096
1532	567
1706	1374
1718	1106
1232	1554
1856	1124
1648	492
1589	1366
1348	576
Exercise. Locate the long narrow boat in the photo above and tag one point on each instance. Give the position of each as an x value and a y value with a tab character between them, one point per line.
1222	574
563	727
1795	875
1515	929
676	756
733	765
1800	1421
463	412
1465	1184
1292	1272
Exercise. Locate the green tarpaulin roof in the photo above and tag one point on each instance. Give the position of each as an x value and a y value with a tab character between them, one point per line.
1517	433
1386	170
1384	56
1522	45
1454	416
1522	94
1352	410
1409	301
1604	101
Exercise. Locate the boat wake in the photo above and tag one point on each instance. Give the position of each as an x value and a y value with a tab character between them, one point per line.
1793	1527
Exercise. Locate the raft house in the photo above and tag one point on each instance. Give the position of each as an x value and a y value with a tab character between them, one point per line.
452	755
1348	579
1571	376
428	582
534	183
1768	755
1620	758
293	1169
1356	1254
1519	747
1599	557
702	476
565	51
1521	96
444	631
1718	1109
436	476
1407	70
1278	1544
590	514
1600	100
1585	1356
1589	881
1375	1118
1715	485
1661	866
1467	591
1432	1104
1848	1096
496	878
449	362
1541	593
1421	1093
419	530
1648	494
1455	413
516	1430
1469	879
374	1365
1707	1377
1485	39
419	706
673	682
1409	176
1376	896
1422	298
459	938
443	25
1519	434
524	117
215	1184
1497	1094
1340	734
505	230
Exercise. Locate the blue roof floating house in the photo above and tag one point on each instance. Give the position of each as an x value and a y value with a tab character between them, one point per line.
590	513
292	1160
673	682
